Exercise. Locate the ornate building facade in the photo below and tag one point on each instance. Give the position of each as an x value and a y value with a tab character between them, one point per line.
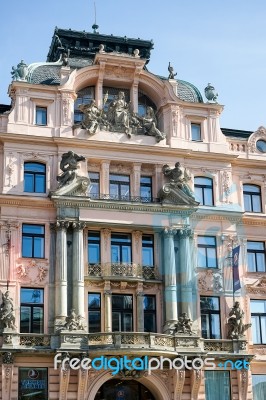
121	202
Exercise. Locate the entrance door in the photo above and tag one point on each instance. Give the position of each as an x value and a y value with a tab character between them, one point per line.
116	389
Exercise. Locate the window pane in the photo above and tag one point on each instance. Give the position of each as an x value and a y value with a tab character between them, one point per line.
149	303
259	387
205	329
251	188
39	229
263	329
208	200
127	322
94	300
258	306
116	321
195	132
41	116
247	202
202	261
145	192
251	262
119	178
94	253
27	247
40	183
126	254
207	240
34	167
211	255
38	247
147	256
256	330
149	322
28	182
256	203
215	326
114	190
198	194
209	303
255	245
94	321
201	180
217	385
37	323
25	319
31	295
115	256
260	262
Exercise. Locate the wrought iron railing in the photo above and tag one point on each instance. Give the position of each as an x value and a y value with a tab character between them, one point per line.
125	270
127	198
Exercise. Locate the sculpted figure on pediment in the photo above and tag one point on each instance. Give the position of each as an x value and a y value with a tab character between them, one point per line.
69	165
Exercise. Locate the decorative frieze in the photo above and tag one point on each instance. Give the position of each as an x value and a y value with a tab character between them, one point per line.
32	271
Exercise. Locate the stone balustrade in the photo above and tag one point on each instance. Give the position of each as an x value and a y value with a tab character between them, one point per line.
238	146
123	270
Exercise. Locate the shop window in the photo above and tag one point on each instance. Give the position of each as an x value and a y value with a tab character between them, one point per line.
217	385
258	386
32	383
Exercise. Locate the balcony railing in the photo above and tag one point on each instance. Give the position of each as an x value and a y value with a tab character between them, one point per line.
124	270
127	198
140	341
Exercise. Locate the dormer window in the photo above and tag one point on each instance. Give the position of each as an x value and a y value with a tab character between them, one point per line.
195	132
41	115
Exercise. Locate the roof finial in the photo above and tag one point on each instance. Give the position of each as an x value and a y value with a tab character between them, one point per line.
95	26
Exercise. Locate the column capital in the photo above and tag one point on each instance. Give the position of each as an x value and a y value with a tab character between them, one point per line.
8	358
62	225
186	232
107	292
168	232
78	226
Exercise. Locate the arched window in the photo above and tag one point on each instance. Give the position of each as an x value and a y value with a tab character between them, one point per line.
203	188
143	103
84	96
252	198
34	177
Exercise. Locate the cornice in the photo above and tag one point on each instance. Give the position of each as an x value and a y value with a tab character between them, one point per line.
84	202
218	215
29	201
254	220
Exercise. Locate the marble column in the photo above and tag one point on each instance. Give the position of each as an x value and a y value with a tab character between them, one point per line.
186	271
170	278
61	271
78	269
107	310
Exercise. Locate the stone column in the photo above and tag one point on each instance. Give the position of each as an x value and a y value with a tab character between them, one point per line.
186	271
170	279
104	182
51	286
140	308
78	269
7	375
61	272
135	190
107	308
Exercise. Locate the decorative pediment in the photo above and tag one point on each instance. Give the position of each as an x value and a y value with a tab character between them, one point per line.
78	187
259	134
259	287
177	191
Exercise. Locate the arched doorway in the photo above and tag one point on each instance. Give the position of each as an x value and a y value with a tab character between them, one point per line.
116	389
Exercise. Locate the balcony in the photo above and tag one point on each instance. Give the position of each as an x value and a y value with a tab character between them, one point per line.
128	271
127	198
123	342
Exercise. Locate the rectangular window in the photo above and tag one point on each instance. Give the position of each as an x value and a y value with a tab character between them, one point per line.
149	305
147	250
256	256
33	383
95	184
119	187
94	248
122	313
195	132
31	310
258	387
252	198
207	257
210	317
121	248
217	385
34	177
41	115
146	189
258	319
203	188
94	312
32	241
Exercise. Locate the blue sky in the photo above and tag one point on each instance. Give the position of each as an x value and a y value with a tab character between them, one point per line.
222	42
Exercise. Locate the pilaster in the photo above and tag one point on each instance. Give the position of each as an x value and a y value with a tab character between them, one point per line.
108	307
78	269
186	271
104	182
7	375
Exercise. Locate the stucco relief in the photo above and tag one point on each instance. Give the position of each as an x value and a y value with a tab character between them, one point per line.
32	271
260	133
210	280
259	287
226	186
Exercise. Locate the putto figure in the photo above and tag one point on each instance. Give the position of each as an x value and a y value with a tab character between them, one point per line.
7	311
69	165
184	324
74	322
236	326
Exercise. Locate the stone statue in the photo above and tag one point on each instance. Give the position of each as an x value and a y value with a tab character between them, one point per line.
150	125
178	178
69	165
74	322
7	311
210	93
118	114
236	326
184	324
92	117
171	72
20	72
